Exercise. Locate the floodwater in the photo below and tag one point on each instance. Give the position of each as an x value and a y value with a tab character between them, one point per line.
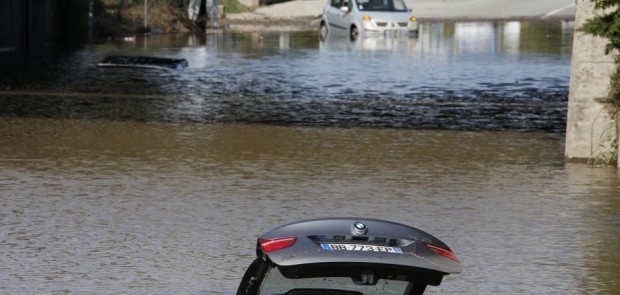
474	76
158	182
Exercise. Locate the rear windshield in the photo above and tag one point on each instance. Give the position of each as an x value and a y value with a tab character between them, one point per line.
381	5
276	283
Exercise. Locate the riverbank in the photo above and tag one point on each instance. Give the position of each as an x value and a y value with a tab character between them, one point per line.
308	12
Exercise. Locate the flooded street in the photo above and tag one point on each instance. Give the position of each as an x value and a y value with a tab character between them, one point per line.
474	76
158	182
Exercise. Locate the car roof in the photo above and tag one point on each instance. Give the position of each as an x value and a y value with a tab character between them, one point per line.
362	241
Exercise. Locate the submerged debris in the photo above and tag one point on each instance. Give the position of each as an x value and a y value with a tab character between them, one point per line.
144	62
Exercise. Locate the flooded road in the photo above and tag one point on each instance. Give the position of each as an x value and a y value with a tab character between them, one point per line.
159	182
474	76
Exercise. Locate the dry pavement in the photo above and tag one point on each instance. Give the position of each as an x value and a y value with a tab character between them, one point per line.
431	9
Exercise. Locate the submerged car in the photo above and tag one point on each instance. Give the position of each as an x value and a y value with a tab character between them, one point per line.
367	17
354	256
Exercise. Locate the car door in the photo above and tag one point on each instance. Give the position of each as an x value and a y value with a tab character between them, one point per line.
336	17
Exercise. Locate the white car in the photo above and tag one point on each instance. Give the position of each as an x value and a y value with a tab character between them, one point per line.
367	18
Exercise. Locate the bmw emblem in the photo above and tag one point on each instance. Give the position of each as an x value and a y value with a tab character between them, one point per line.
359	228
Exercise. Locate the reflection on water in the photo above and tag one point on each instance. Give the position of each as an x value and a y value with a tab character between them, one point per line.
125	181
472	38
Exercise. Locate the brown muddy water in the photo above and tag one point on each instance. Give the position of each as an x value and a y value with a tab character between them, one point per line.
109	188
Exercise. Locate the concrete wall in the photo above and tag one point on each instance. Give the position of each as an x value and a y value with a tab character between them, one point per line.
589	129
26	29
12	23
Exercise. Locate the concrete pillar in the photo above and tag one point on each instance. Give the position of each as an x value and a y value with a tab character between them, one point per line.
589	130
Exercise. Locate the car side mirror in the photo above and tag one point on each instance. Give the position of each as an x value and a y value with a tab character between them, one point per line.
409	9
344	9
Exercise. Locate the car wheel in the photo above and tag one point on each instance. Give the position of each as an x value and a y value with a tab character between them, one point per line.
354	34
323	31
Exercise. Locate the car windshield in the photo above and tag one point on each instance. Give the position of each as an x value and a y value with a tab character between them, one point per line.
381	5
276	284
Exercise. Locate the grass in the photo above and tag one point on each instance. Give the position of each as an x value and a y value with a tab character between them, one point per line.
233	6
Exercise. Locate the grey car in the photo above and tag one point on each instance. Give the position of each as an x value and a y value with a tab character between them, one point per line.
367	18
338	256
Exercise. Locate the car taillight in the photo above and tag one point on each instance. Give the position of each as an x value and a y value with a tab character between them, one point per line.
270	245
443	252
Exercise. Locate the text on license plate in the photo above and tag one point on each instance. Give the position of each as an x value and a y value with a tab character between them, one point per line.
355	247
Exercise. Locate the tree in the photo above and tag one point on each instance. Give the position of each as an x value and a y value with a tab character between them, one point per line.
606	25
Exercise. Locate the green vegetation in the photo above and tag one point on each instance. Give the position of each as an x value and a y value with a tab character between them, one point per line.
233	6
607	26
608	156
111	3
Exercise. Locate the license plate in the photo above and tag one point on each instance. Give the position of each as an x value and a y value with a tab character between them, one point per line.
356	247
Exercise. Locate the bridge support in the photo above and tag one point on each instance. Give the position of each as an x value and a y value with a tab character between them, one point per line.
26	28
589	132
